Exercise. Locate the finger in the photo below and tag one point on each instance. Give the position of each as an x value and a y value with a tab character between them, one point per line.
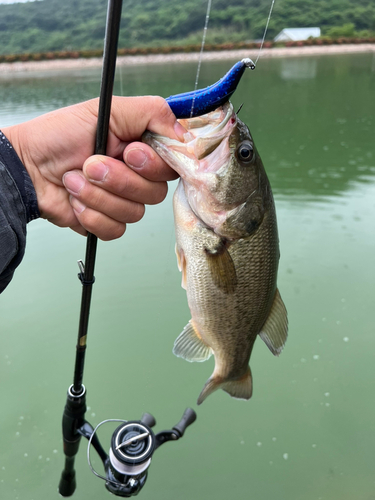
104	227
116	207
79	229
143	160
117	178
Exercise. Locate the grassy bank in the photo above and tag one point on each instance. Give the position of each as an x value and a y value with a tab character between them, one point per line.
86	54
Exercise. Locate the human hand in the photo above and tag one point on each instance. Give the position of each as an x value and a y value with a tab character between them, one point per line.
99	194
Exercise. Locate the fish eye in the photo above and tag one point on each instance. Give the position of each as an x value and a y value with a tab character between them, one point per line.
245	151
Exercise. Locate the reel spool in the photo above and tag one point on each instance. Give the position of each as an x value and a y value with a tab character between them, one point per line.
132	446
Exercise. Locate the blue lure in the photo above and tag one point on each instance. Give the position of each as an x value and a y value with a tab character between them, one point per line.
200	102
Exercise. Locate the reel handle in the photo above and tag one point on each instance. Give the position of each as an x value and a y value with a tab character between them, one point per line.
148	420
187	419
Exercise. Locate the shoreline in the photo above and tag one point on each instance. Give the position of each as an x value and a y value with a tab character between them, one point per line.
96	62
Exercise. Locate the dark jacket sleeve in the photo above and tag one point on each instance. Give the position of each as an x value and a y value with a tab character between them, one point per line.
18	206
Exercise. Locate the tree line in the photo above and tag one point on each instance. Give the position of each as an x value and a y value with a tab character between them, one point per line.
53	25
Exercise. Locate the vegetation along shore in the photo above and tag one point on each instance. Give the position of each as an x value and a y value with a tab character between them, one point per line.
55	34
77	61
78	25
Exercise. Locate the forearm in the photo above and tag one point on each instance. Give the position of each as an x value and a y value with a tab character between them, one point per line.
18	206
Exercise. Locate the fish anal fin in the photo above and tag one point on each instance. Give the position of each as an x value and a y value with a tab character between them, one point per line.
190	346
181	264
275	330
222	268
241	388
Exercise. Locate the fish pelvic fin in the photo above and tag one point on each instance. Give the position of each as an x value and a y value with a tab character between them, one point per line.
241	388
181	264
190	346
275	330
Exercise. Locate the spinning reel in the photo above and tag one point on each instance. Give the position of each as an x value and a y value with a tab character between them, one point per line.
132	446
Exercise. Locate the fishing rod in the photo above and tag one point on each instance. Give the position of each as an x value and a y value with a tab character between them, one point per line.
75	408
133	442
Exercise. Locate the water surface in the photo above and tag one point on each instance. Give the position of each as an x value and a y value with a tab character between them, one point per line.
307	433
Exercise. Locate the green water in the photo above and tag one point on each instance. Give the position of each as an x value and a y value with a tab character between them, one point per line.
308	431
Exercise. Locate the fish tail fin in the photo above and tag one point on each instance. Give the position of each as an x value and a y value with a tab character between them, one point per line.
241	388
212	385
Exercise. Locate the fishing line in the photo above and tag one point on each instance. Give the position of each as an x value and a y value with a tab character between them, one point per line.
89	446
201	53
265	31
204	40
121	89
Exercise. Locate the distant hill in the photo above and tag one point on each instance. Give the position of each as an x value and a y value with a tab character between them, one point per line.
52	25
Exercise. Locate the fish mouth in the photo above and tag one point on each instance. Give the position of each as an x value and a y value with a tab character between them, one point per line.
205	145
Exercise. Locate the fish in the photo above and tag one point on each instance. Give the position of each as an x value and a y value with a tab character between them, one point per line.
227	248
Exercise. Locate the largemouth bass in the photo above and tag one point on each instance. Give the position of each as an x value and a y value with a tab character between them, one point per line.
227	248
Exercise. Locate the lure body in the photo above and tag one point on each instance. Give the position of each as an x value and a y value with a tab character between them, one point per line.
200	102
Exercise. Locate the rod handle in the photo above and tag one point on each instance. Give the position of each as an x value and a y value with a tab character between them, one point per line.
68	483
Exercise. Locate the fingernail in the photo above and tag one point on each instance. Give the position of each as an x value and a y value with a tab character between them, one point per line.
180	131
135	158
73	182
77	205
96	171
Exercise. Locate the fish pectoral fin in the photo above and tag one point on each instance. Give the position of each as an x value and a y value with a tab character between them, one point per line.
190	346
222	268
241	388
275	330
181	264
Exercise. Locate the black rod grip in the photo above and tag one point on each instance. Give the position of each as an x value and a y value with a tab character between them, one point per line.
187	419
73	418
68	484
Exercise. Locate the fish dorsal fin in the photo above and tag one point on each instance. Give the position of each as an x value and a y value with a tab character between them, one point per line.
190	346
275	330
222	269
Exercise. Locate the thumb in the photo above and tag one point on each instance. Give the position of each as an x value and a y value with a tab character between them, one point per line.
131	116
